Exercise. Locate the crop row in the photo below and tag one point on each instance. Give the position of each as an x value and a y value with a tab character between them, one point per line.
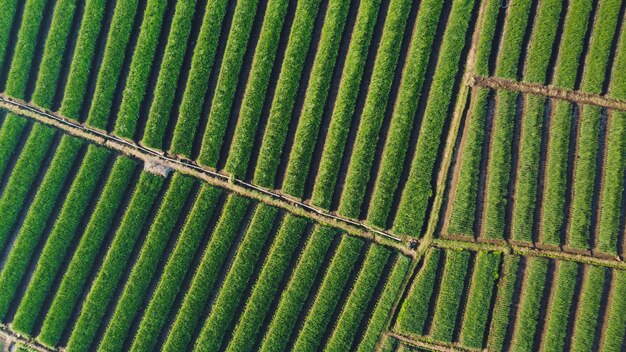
11	132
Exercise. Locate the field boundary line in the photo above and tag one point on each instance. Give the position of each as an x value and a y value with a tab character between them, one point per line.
574	96
424	343
11	338
150	156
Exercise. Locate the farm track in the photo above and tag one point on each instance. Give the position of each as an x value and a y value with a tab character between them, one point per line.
214	178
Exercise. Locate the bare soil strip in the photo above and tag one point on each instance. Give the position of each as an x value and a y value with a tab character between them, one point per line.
574	96
211	177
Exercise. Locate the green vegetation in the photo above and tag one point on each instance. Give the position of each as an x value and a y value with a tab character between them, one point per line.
486	36
616	321
10	133
7	19
583	338
542	39
504	299
528	308
512	37
556	323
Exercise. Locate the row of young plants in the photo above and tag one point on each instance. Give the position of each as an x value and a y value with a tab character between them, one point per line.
564	286
317	90
36	220
115	261
60	239
74	280
11	132
589	303
7	21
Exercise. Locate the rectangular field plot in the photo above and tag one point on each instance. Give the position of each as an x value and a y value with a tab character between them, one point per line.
340	103
539	172
99	253
574	45
503	302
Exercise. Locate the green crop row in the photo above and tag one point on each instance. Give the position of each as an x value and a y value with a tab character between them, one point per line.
552	221
613	185
512	38
414	311
617	87
142	273
256	88
479	299
35	222
11	131
527	179
22	177
140	68
360	298
343	110
599	47
27	38
7	17
529	306
417	191
227	81
572	41
246	332
542	39
450	290
557	321
60	239
615	325
589	302
484	46
175	270
189	316
169	72
403	116
376	324
374	110
463	208
504	299
116	260
236	281
325	303
82	60
75	277
54	52
499	165
198	80
286	92
295	294
580	231
319	84
112	61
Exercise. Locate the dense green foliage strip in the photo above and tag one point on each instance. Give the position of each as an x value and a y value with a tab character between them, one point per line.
463	206
60	239
54	52
485	43
169	72
246	332
542	39
512	38
615	325
295	294
35	222
414	311
373	114
405	108
236	281
80	266
116	260
343	110
22	177
589	301
203	283
564	286
7	20
82	59
140	68
417	191
227	82
198	80
286	92
114	55
142	273
178	264
10	133
376	324
27	37
504	299
256	88
478	303
529	306
319	84
346	326
325	303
